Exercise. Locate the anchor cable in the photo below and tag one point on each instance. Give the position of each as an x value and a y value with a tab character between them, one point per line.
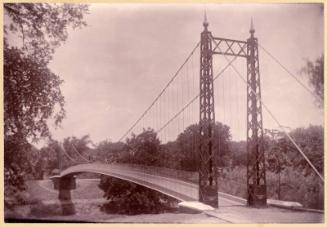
289	72
275	119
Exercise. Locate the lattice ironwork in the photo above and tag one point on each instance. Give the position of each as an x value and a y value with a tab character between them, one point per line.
208	181
230	47
256	173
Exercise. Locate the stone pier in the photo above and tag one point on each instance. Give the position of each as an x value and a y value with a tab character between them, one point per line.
64	185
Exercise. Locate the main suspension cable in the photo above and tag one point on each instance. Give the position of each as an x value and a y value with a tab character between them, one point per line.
160	94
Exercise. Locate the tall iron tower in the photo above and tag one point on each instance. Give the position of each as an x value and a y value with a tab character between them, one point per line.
256	173
208	186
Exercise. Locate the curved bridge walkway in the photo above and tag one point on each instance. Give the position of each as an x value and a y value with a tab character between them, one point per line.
155	178
171	182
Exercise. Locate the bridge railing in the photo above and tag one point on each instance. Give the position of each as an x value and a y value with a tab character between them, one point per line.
228	181
231	182
187	176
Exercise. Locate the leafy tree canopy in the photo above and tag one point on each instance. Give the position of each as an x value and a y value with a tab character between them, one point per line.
109	151
311	141
31	95
283	153
144	147
32	92
42	27
187	143
315	72
129	198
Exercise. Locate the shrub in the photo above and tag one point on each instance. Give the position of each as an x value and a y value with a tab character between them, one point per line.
129	198
306	189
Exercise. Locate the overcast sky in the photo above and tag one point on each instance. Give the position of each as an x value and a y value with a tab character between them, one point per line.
115	67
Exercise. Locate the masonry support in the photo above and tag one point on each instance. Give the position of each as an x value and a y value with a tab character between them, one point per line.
64	185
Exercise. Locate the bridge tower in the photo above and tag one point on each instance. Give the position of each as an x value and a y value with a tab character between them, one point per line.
256	173
208	182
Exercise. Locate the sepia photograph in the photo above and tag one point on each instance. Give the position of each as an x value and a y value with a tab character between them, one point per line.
175	113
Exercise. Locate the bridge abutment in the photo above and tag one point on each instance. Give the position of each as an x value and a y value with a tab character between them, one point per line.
64	185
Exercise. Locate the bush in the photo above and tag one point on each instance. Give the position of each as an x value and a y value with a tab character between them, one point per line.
233	181
295	186
129	198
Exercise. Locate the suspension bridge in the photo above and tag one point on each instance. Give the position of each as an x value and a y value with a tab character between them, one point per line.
189	99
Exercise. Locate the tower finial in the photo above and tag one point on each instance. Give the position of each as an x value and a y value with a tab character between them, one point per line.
205	22
252	28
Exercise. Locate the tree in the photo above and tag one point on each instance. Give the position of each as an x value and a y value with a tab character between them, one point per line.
31	95
75	150
283	154
15	170
277	159
143	148
48	159
107	151
222	138
170	153
129	198
32	92
315	72
42	27
311	141
238	153
188	145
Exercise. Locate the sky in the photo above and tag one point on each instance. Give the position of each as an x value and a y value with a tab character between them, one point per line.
115	67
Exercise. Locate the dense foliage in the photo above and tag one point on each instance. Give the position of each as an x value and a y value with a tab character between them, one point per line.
315	72
289	176
32	95
143	148
182	153
32	92
311	141
42	27
129	198
108	151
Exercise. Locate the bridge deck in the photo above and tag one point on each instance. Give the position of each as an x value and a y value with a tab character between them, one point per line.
179	189
175	188
228	212
231	210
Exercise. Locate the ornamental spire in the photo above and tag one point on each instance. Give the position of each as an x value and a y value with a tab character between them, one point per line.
205	22
252	28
